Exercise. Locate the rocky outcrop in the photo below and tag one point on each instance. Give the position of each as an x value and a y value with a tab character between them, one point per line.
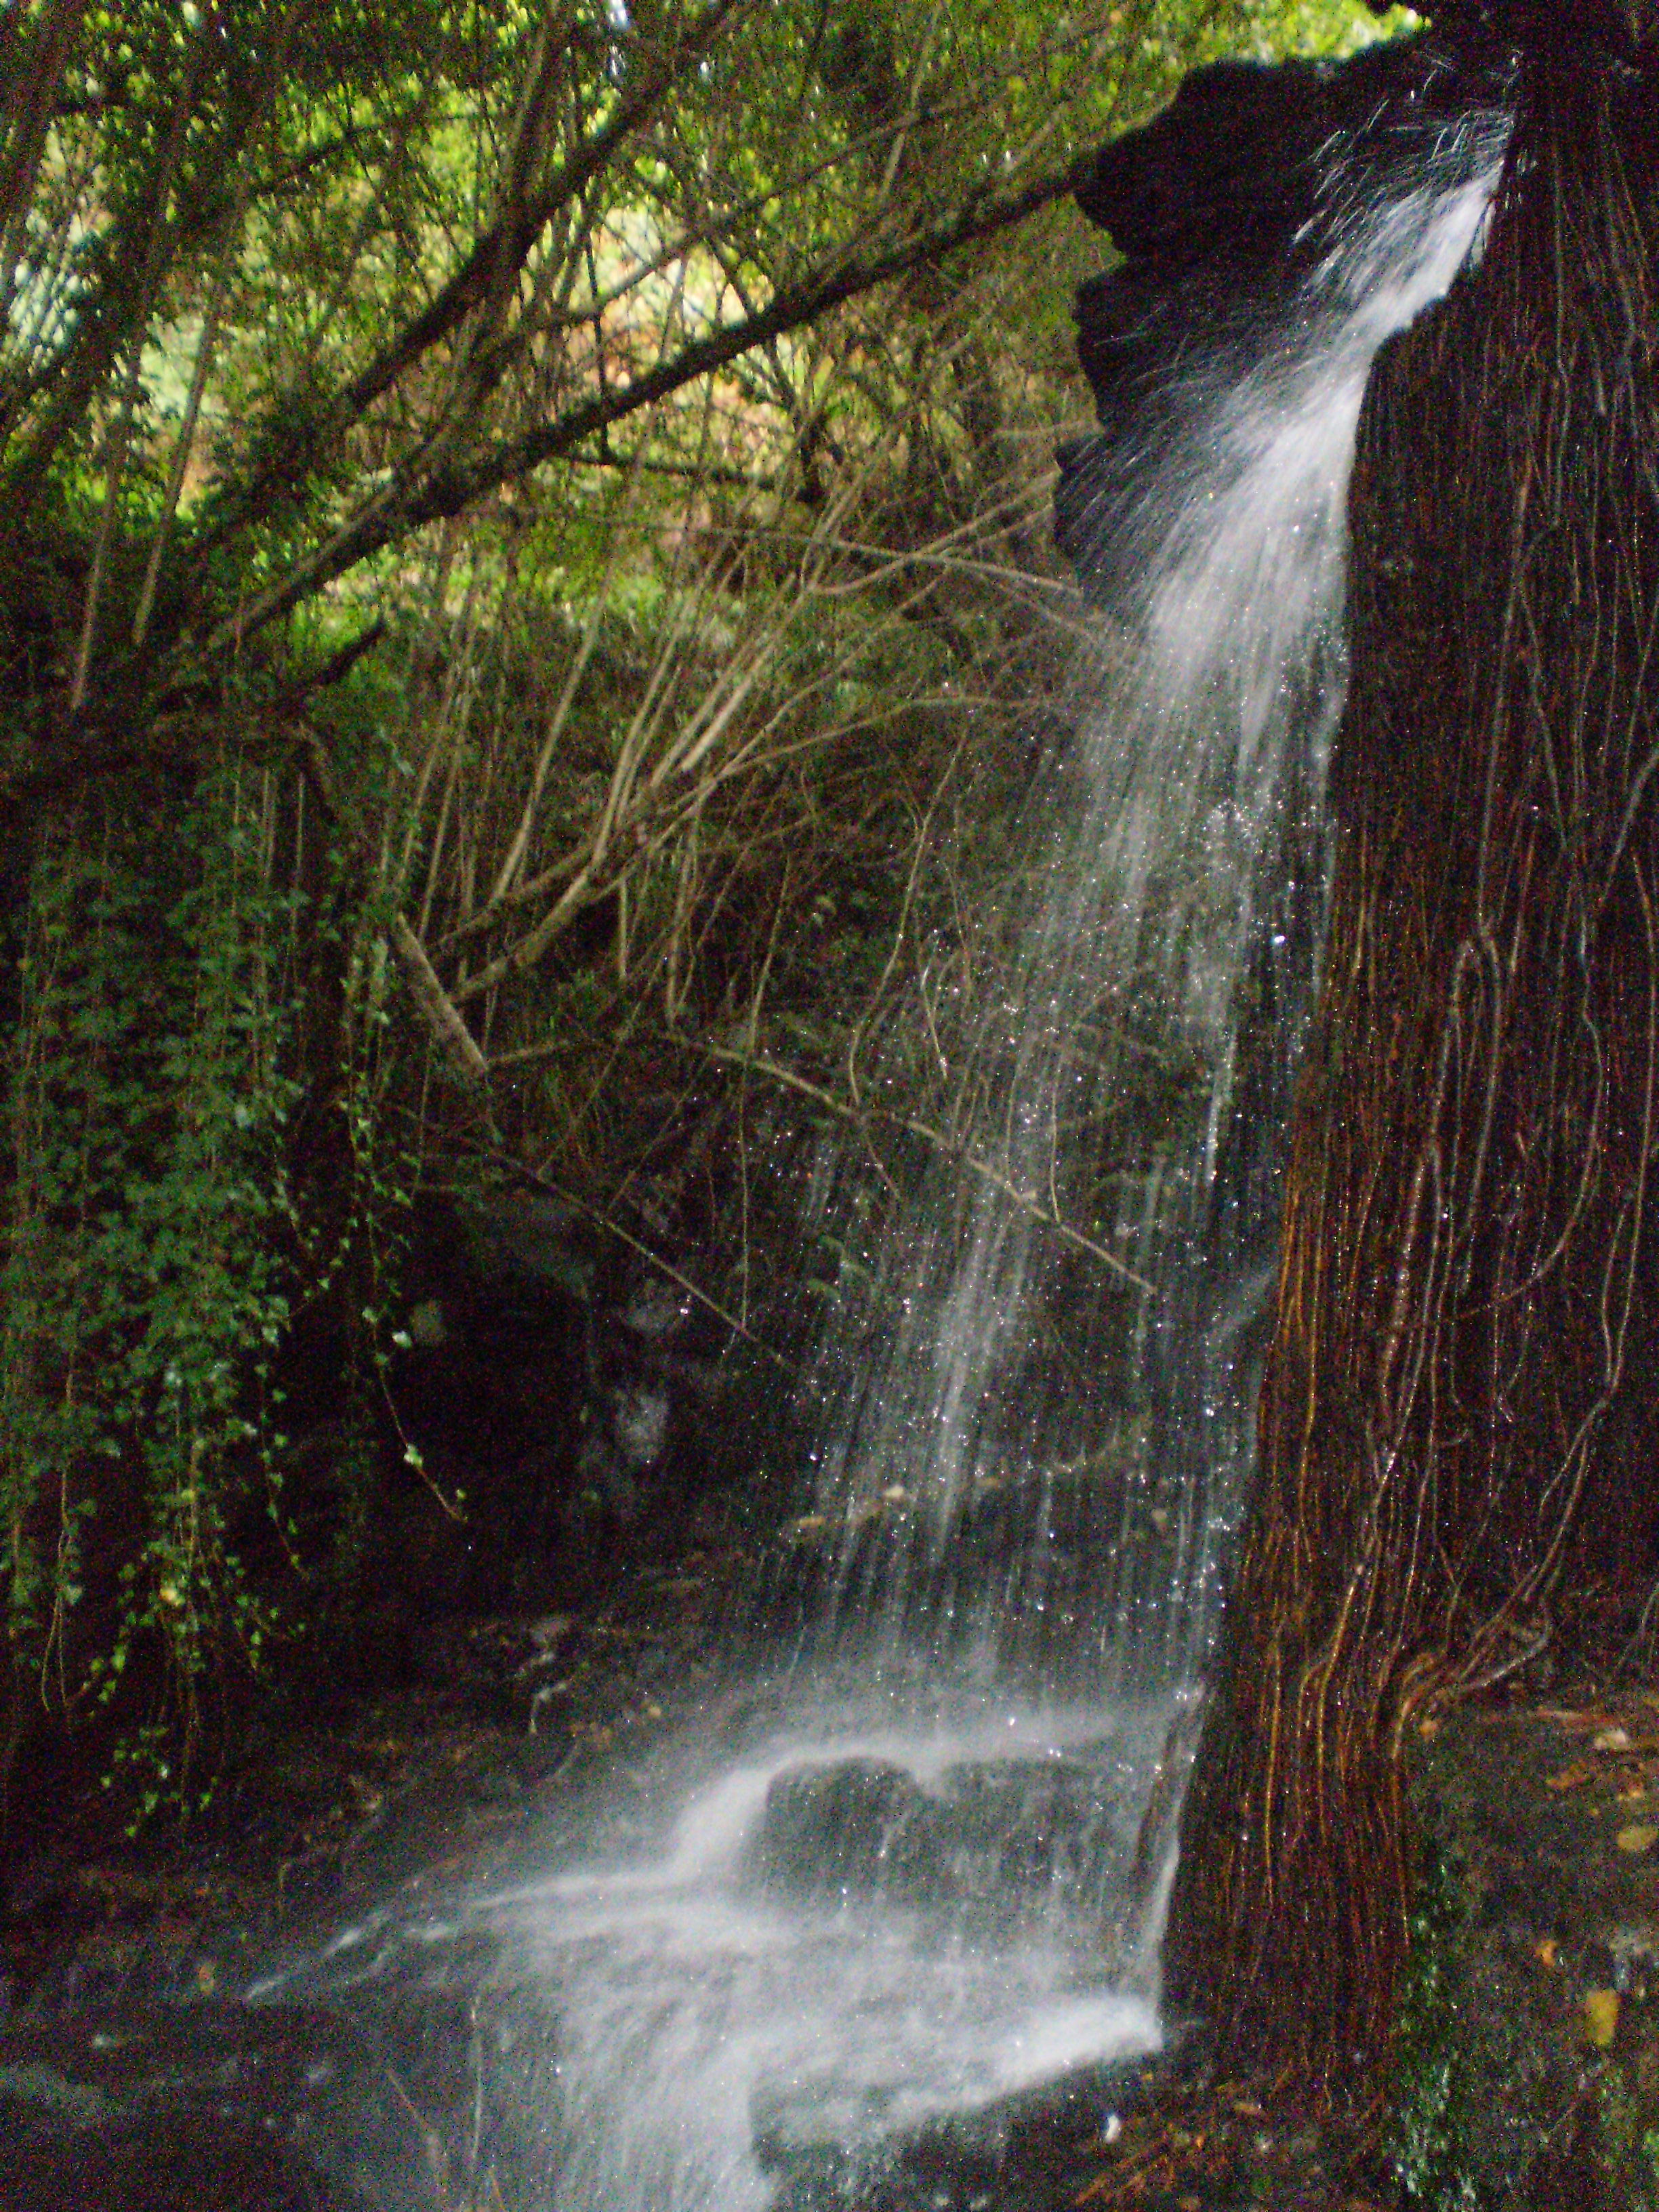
557	1382
1230	210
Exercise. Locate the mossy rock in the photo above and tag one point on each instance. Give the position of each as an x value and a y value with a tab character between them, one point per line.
1526	2073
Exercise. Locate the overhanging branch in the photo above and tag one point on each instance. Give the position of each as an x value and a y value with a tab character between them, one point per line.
401	508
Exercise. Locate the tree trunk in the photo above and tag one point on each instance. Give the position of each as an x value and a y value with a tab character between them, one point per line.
1457	1412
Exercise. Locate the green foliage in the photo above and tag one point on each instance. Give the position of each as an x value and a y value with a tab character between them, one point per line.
143	1286
696	730
157	1252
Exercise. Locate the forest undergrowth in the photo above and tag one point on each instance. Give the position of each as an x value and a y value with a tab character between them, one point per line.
528	624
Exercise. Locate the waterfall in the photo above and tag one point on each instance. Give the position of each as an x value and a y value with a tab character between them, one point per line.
916	1867
1181	860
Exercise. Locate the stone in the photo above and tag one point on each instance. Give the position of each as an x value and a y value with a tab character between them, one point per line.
1527	2066
1221	207
854	1827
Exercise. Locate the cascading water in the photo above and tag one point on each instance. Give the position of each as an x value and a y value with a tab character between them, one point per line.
920	1866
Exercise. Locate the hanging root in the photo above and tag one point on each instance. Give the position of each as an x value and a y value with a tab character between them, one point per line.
1452	1421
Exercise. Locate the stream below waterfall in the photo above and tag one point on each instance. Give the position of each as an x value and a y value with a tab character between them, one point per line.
910	1866
850	1915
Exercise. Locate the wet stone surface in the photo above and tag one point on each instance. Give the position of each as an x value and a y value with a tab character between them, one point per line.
274	2105
989	1833
1168	2134
149	2056
153	2055
160	2052
1533	2077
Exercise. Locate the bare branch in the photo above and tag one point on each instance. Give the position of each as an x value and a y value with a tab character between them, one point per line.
401	506
440	1011
1026	1201
497	256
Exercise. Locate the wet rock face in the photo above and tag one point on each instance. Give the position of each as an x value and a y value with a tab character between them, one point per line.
1035	1554
1246	154
1033	1825
997	1838
859	1827
560	1384
1223	207
243	2109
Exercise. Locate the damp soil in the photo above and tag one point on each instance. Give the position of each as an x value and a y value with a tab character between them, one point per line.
134	2075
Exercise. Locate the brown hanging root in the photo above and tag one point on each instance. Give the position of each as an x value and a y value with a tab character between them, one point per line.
1459	1327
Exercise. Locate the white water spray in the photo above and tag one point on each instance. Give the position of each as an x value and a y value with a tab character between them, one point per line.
1201	780
929	1879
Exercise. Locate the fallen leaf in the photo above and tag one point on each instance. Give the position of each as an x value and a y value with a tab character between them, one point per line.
207	1976
1633	1787
1428	1728
1571	1777
1600	2017
1637	1839
1547	1951
1611	1739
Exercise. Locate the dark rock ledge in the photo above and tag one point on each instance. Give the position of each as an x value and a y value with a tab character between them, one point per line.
1224	208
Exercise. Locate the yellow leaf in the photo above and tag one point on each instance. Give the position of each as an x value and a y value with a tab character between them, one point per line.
1571	1777
1547	1951
1600	2017
1637	1839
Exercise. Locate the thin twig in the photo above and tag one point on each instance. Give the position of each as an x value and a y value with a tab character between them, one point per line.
1026	1201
